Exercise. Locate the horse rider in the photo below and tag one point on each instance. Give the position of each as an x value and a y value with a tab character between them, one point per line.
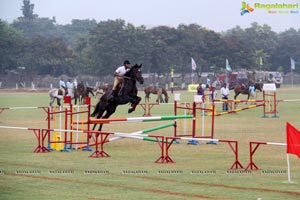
69	85
252	90
62	86
75	83
119	73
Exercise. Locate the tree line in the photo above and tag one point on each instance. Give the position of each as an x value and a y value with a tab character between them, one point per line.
43	47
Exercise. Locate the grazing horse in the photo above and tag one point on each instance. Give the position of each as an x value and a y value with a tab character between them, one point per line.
240	89
159	91
127	94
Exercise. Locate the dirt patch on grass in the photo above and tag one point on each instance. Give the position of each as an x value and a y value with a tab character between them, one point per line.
157	191
222	186
42	90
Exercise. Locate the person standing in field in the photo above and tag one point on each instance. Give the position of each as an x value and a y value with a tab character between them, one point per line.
252	91
225	95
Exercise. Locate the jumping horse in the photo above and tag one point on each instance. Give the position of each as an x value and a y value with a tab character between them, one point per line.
127	94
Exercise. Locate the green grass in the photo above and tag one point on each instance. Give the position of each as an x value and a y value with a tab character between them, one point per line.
157	181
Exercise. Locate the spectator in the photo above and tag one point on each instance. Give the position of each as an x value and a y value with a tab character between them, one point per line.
213	93
200	90
225	94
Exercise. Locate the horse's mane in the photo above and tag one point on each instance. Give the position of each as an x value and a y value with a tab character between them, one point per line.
128	73
258	86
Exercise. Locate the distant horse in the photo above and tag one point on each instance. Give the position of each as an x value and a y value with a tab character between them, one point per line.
81	92
101	90
159	91
240	89
78	92
85	93
57	94
127	94
107	87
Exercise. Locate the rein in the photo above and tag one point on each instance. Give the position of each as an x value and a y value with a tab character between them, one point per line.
127	77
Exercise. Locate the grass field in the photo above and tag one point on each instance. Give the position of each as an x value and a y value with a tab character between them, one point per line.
200	172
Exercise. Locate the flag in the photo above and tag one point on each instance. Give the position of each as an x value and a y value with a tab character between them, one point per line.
292	140
292	64
228	68
261	61
194	66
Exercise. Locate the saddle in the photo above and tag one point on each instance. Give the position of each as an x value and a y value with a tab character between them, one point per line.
60	91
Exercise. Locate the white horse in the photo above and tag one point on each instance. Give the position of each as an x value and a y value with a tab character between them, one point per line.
58	94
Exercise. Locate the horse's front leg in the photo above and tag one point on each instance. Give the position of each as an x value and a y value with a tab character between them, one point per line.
58	101
134	102
248	98
161	100
75	99
147	96
111	110
235	96
52	99
100	109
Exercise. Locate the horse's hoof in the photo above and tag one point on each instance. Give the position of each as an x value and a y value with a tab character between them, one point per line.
130	110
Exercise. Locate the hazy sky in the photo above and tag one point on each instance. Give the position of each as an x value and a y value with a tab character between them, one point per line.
218	15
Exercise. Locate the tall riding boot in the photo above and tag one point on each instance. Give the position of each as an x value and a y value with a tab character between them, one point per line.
113	95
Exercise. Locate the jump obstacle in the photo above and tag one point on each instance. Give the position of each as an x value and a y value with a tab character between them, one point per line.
44	108
202	124
69	115
164	143
269	103
147	108
253	146
38	133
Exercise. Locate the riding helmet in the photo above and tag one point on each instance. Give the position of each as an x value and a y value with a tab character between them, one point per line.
126	62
